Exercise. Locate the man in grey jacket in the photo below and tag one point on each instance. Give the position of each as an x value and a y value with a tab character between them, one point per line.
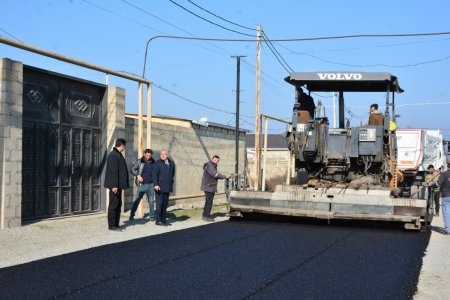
209	185
142	171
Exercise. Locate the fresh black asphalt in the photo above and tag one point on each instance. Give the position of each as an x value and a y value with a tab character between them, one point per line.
233	260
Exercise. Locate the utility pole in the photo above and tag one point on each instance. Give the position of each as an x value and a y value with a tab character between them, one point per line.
238	90
257	126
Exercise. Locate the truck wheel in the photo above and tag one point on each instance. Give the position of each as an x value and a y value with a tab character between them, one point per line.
302	177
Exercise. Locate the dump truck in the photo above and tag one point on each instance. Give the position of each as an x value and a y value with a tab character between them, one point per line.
340	173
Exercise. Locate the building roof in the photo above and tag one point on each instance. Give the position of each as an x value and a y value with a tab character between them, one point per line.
274	141
161	117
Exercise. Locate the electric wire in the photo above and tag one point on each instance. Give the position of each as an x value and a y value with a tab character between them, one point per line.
194	37
197	103
215	15
277	55
121	16
370	65
10	35
209	21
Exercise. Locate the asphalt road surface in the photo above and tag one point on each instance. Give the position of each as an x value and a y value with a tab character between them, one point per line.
234	260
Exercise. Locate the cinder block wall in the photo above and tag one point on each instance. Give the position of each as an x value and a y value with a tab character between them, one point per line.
190	146
113	127
277	163
11	89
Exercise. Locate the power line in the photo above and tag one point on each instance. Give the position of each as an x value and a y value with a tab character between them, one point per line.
211	22
10	34
367	66
197	103
277	54
375	46
121	16
423	103
223	19
267	84
154	16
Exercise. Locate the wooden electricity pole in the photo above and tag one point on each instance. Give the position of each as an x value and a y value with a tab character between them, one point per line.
257	147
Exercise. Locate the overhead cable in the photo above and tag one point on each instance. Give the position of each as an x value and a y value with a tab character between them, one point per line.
277	55
209	21
215	15
10	35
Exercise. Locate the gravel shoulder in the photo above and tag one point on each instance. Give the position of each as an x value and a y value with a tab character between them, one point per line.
47	238
434	280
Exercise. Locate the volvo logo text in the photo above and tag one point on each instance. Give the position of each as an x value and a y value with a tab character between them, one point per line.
340	76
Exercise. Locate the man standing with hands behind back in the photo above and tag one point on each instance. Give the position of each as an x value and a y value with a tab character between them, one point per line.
116	180
163	174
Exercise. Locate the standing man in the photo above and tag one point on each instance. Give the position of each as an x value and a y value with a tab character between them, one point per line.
376	117
163	177
444	184
209	185
142	171
116	180
433	190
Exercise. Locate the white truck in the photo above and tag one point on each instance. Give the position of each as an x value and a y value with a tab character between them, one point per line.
416	150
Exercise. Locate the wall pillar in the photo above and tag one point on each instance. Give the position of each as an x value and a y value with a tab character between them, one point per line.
113	127
11	109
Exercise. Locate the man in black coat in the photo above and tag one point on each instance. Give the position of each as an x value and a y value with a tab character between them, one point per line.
116	180
163	177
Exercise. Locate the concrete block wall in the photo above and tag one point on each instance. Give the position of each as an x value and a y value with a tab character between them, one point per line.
190	146
277	162
113	127
11	89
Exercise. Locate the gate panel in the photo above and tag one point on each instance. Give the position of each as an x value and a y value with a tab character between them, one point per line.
76	170
28	169
95	174
53	173
61	145
40	170
86	170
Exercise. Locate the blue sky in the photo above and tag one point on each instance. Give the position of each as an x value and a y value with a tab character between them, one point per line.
113	33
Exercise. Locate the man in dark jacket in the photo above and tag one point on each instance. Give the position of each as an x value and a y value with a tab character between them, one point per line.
444	184
163	177
116	180
209	185
142	171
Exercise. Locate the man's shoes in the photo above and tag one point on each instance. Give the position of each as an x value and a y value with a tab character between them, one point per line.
166	224
152	219
131	218
159	223
208	219
437	214
115	228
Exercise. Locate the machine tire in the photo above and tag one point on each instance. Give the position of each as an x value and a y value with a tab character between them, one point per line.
302	177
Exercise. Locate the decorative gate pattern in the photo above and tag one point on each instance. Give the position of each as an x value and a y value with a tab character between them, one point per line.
61	145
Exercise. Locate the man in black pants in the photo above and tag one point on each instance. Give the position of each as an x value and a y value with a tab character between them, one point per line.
116	180
209	185
163	174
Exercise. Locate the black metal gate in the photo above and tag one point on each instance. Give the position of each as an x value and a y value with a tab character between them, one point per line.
61	145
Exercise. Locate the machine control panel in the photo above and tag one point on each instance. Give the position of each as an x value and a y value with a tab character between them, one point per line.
367	134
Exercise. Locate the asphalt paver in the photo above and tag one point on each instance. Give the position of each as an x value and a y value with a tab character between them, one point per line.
233	260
